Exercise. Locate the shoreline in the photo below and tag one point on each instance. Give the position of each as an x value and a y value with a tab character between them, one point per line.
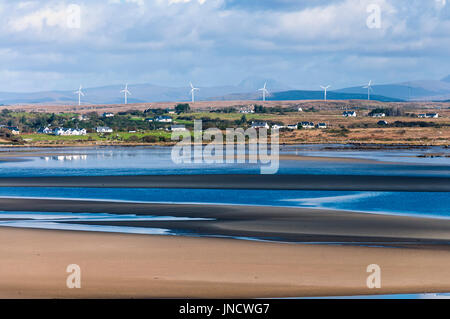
380	144
140	266
287	224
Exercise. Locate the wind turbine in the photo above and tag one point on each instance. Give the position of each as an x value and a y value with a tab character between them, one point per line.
264	91
193	92
369	88
80	93
126	92
325	88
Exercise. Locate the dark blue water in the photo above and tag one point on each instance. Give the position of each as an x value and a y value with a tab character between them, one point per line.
404	203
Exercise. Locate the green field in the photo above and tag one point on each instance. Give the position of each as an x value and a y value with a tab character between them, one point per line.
117	136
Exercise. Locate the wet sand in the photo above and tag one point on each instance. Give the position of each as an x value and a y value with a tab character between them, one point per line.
242	181
141	266
289	224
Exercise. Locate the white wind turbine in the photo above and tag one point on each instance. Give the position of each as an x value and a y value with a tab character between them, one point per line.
325	88
264	91
193	89
80	93
369	88
125	91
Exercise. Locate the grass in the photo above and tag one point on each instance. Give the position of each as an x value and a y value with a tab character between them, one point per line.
94	136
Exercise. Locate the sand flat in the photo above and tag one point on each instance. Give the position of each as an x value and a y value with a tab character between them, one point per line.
242	181
141	266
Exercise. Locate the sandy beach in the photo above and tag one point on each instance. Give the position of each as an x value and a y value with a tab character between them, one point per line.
139	266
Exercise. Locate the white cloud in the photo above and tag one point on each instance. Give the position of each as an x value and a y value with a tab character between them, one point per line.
165	41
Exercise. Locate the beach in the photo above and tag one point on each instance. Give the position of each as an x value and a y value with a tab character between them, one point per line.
138	266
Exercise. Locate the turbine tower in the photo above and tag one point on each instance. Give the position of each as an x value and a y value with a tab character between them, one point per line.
193	89
325	88
369	88
80	93
126	92
264	91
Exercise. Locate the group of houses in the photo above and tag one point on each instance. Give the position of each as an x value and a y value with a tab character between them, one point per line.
304	125
428	115
62	131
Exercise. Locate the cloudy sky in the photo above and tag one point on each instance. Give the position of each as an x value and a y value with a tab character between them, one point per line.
51	44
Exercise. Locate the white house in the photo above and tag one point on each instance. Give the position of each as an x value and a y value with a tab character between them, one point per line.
379	115
277	127
321	125
163	119
300	109
178	128
246	110
45	130
14	130
108	114
104	129
307	125
349	114
292	126
260	125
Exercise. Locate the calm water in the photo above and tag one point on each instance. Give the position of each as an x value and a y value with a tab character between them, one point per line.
157	160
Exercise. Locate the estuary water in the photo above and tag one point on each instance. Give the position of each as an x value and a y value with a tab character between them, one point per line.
157	160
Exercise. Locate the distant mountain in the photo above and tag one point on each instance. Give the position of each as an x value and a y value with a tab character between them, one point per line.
413	90
446	79
427	90
331	95
140	93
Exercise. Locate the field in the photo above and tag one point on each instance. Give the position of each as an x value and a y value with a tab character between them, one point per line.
404	129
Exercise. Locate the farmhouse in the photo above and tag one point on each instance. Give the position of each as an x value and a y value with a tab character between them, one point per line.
260	125
349	114
178	128
379	115
277	127
108	114
321	125
292	126
104	129
44	130
14	130
307	125
163	119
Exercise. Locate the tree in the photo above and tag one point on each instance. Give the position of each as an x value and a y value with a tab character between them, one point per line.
182	108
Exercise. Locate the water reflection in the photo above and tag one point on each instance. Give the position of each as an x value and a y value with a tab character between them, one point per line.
63	158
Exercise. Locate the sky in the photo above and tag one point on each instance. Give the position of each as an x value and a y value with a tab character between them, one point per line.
58	45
